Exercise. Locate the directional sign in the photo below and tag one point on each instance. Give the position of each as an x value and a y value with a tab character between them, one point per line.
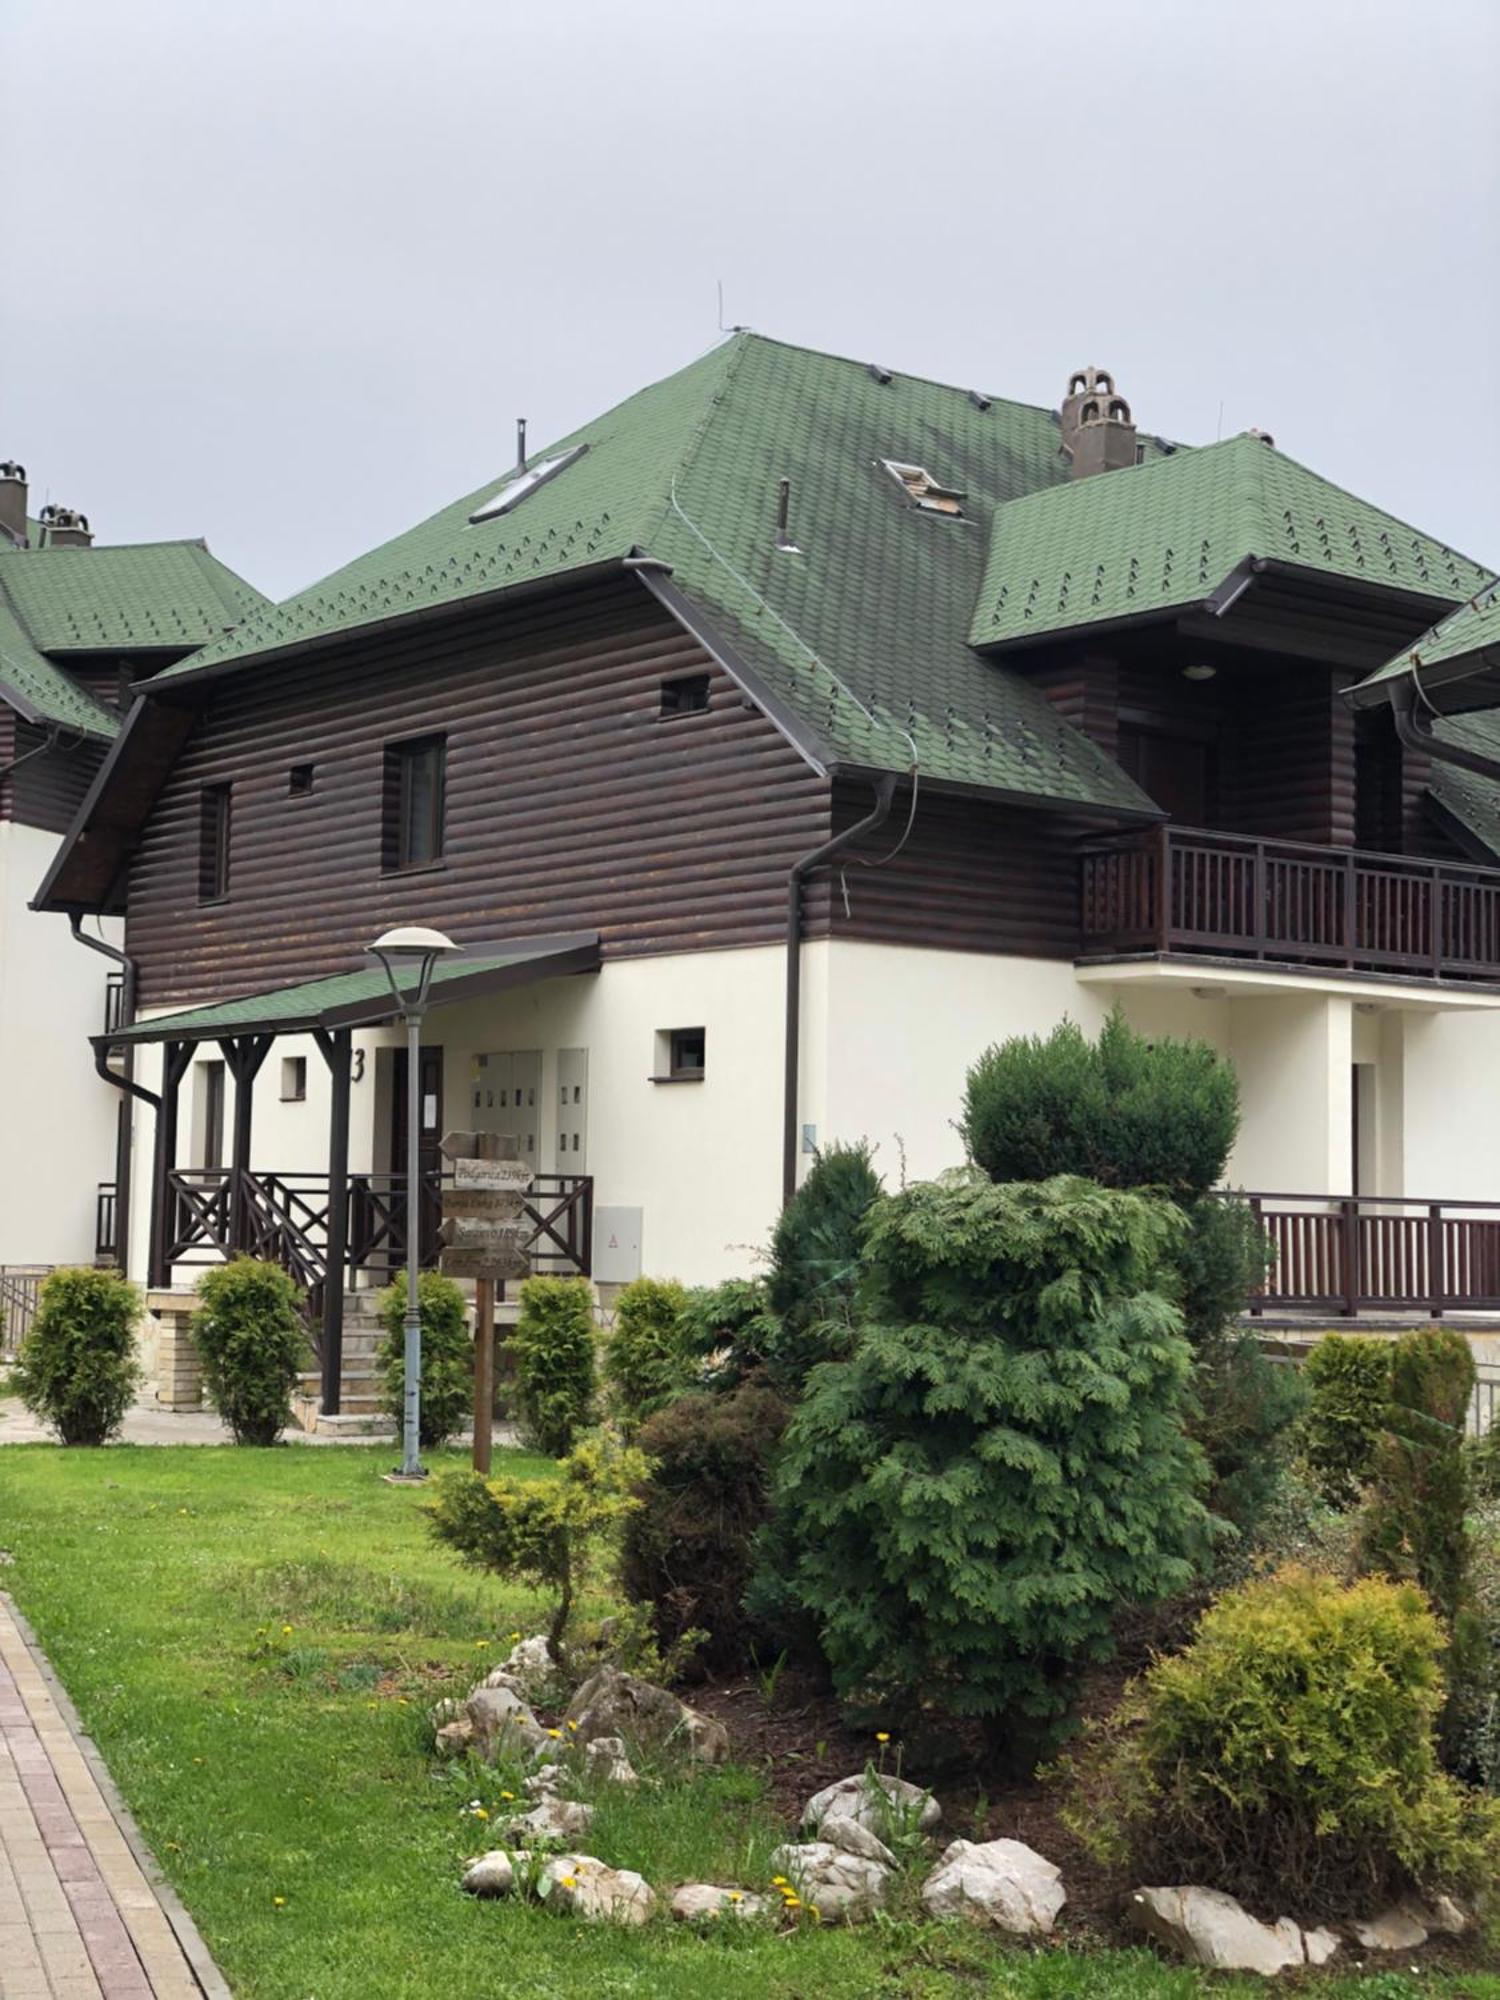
460	1231
511	1175
497	1203
477	1145
487	1264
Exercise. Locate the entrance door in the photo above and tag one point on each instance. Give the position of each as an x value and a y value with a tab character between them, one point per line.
572	1111
508	1098
429	1140
1179	772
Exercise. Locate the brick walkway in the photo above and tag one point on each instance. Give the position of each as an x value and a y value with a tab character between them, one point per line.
80	1917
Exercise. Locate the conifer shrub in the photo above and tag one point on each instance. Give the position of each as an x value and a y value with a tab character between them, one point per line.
687	1551
645	1358
1484	1463
1126	1111
252	1338
77	1368
964	1503
545	1529
728	1330
1349	1392
555	1349
1290	1752
447	1399
815	1263
1415	1518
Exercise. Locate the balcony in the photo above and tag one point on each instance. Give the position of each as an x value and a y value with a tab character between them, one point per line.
1177	889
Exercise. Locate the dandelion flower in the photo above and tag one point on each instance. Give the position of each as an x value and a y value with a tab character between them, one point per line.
555	1733
514	1637
735	1896
572	1725
570	1881
793	1903
507	1795
812	1911
278	1902
882	1736
286	1631
480	1813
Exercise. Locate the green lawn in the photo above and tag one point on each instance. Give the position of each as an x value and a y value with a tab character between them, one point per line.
282	1779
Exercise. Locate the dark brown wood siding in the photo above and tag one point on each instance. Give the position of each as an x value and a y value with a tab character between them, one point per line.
571	804
8	725
970	876
46	789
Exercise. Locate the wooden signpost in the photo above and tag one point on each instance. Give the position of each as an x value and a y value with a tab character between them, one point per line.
484	1236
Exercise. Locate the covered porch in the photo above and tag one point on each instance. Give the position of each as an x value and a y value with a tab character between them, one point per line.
343	1225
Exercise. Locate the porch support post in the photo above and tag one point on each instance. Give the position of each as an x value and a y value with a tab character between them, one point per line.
244	1057
175	1057
336	1049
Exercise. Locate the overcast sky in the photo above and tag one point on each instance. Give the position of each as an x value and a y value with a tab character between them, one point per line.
282	273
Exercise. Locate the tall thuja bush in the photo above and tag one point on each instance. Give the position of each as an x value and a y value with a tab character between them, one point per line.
1130	1111
447	1387
963	1504
77	1368
815	1263
1349	1385
252	1338
646	1359
556	1355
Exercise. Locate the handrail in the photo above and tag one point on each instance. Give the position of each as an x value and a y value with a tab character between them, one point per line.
1310	849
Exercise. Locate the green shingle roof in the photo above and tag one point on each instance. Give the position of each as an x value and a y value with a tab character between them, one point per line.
1154	539
31	682
1463	646
133	597
861	635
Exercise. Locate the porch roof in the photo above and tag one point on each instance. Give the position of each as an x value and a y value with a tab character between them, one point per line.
364	999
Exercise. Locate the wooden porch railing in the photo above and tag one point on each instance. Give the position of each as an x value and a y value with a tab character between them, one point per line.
1370	1253
20	1294
1177	888
286	1222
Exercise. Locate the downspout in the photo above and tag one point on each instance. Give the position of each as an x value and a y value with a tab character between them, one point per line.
124	1142
885	792
1417	736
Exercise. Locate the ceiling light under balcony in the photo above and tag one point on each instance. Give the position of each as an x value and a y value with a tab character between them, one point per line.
1199	671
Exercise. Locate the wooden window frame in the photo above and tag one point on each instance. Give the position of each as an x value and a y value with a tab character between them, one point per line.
215	831
294	1070
400	852
674	708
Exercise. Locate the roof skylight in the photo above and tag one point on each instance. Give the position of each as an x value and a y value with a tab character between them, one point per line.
516	488
924	491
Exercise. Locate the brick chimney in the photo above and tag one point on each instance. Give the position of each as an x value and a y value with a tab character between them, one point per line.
13	502
65	528
1097	432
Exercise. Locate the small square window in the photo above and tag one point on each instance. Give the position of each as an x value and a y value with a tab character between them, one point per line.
293	1079
687	695
681	1055
299	780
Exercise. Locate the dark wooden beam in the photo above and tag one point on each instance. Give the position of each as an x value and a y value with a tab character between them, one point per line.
336	1050
174	1062
244	1055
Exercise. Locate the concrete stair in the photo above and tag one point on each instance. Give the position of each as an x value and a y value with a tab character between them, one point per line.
360	1414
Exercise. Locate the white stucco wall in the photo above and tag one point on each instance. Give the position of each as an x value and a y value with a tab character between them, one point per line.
59	1118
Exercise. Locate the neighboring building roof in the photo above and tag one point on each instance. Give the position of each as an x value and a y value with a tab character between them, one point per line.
860	635
1460	654
123	599
1154	539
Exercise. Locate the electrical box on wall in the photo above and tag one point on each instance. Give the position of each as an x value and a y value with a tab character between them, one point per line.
617	1245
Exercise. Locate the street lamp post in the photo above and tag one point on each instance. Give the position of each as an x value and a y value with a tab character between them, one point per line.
415	947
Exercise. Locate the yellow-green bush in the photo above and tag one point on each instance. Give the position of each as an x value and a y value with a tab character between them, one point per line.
646	1360
556	1355
1288	1755
1349	1385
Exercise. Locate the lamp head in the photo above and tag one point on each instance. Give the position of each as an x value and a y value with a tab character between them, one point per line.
408	944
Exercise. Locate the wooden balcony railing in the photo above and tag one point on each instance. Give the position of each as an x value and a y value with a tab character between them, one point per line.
1372	1253
1181	889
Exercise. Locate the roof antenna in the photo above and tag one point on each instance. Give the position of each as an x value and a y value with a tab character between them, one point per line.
520	444
722	327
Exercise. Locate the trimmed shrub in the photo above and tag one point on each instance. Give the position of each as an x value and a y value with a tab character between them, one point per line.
963	1505
728	1330
1484	1463
815	1263
1349	1391
252	1338
77	1368
645	1357
1291	1746
1223	1259
687	1551
1414	1521
542	1529
1125	1111
555	1347
1246	1409
447	1357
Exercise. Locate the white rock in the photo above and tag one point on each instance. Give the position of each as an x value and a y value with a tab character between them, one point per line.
857	1798
1002	1882
503	1725
582	1886
607	1760
612	1703
702	1902
1400	1928
491	1875
553	1820
545	1782
854	1837
454	1738
1206	1927
831	1881
530	1666
1443	1913
1320	1945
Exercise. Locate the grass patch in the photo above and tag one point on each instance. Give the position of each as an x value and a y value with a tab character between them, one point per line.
253	1637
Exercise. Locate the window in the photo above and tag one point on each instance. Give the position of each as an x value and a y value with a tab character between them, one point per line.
685	696
210	1099
293	1079
299	780
924	491
213	843
414	803
520	483
681	1055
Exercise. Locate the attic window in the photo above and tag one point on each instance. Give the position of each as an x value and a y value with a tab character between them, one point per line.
516	488
924	491
687	695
